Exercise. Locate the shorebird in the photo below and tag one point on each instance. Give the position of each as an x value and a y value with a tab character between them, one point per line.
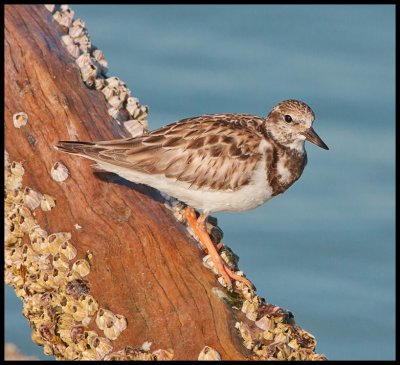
214	162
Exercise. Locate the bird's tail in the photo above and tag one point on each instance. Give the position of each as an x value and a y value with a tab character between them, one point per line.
74	147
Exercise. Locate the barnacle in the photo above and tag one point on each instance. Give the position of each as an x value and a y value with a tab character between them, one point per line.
50	7
112	325
81	267
250	309
31	198
135	128
47	202
161	354
20	119
59	172
265	323
246	334
17	169
99	83
208	353
60	262
104	318
102	345
68	250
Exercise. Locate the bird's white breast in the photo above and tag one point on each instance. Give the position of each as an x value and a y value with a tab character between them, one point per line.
248	197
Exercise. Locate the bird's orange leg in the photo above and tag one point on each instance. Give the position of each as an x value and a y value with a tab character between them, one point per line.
199	228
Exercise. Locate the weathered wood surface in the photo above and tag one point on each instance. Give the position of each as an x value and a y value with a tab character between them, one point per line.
145	265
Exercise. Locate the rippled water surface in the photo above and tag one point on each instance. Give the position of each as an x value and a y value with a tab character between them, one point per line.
325	249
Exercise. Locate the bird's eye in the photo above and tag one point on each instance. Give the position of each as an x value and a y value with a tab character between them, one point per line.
288	119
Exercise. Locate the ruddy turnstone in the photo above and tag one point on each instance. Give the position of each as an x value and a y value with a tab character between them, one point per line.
214	163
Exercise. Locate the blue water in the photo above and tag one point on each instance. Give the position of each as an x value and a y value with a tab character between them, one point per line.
325	249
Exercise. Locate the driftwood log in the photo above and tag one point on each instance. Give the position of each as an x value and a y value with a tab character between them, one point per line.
144	266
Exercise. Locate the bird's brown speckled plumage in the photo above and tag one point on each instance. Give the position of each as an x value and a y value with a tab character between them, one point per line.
214	153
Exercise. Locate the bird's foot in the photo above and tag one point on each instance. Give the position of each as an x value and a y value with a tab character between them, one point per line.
199	227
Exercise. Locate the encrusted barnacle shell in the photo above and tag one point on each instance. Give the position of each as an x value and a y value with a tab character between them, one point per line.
60	262
246	334
113	112
116	102
77	29
78	22
84	42
37	231
109	91
20	119
268	335
12	234
66	39
17	169
141	113
91	354
113	81
77	333
73	50
72	352
26	220
65	320
83	60
82	267
102	345
56	240
32	198
89	73
99	83
40	244
89	303
59	172
305	339
90	337
208	353
120	322
265	323
64	16
209	264
281	337
161	354
104	318
146	346
134	128
132	104
250	309
48	349
37	338
77	287
47	202
68	250
76	310
99	56
50	7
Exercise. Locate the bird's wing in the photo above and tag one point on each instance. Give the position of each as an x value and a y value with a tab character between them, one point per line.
216	152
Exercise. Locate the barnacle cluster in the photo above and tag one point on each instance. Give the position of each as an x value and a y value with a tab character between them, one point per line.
52	286
142	353
123	107
272	333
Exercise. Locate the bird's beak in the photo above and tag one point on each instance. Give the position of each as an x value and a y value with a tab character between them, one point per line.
313	137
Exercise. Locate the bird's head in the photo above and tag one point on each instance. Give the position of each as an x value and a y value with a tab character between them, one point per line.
290	122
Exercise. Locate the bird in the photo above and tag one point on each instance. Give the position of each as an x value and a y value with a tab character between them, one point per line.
213	162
